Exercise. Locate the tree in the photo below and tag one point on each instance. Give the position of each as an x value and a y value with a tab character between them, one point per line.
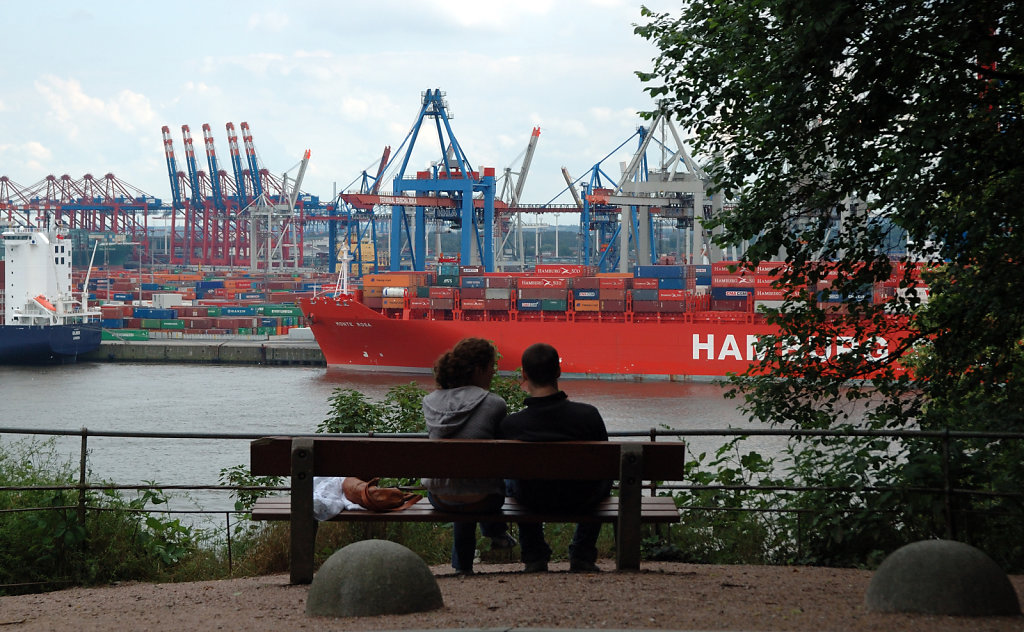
833	126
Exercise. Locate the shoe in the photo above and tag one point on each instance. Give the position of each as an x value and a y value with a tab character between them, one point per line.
579	566
503	542
536	567
463	573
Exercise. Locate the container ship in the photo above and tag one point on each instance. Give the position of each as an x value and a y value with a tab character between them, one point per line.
674	322
42	320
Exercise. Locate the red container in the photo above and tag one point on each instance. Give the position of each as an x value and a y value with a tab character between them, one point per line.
473	292
471	270
673	307
542	293
769	294
615	283
613	305
646	306
728	305
732	280
723	267
587	283
565	270
645	283
612	294
500	281
672	295
543	282
497	304
473	304
442	292
442	303
419	303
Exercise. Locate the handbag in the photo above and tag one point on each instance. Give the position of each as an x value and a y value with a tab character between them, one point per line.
367	494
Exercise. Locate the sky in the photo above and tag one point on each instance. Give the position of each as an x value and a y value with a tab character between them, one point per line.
88	86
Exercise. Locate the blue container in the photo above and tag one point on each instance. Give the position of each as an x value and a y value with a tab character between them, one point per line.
585	295
828	296
731	293
152	287
645	295
238	310
529	304
703	279
474	281
661	272
268	322
152	312
209	285
252	296
112	323
124	296
702	270
671	284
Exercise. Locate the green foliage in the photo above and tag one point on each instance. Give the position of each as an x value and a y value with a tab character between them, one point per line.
827	156
352	412
240	476
53	544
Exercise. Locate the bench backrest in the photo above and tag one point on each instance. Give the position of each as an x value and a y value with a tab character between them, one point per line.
366	457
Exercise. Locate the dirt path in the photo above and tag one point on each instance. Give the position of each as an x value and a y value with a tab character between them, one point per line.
662	596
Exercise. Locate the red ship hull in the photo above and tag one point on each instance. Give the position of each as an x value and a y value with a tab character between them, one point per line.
353	335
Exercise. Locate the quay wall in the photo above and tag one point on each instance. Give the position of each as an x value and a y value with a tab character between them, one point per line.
271	353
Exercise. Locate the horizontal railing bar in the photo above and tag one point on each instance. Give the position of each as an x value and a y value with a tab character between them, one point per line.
653	432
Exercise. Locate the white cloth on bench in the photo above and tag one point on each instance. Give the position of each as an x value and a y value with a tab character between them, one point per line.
329	499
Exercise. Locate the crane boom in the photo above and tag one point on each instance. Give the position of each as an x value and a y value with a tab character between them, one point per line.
525	168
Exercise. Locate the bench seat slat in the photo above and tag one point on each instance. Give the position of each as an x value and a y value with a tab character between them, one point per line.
657	509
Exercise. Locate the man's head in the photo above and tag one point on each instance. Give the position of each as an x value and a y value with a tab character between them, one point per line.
541	365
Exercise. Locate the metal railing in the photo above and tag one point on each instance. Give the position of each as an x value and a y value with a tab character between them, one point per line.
946	438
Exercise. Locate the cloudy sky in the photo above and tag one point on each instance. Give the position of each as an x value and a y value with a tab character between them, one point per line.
88	86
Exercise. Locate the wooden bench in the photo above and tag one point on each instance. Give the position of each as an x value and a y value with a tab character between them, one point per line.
630	463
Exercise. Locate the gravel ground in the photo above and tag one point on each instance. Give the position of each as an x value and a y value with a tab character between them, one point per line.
663	596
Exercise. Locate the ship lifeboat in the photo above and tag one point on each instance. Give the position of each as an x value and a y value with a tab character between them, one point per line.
45	304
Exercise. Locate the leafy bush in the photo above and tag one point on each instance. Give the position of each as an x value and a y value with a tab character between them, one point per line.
46	542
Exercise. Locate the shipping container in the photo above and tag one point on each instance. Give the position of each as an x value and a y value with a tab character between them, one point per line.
731	293
126	334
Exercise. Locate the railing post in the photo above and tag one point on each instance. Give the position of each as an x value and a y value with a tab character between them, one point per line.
948	487
231	570
81	477
631	461
303	524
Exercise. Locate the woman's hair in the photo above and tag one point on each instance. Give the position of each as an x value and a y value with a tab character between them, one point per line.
456	367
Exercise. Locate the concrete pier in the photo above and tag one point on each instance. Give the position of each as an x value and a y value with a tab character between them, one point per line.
273	351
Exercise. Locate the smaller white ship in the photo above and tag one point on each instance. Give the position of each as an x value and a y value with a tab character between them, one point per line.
43	322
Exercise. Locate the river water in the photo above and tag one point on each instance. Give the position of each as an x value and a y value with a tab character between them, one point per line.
272	400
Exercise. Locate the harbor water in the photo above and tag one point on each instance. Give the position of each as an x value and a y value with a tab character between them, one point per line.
272	400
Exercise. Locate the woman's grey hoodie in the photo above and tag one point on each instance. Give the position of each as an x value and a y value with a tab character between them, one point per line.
465	412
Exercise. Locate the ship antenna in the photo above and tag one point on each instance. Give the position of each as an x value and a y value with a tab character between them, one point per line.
343	273
88	273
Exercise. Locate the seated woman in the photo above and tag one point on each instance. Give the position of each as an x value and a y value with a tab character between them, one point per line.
463	408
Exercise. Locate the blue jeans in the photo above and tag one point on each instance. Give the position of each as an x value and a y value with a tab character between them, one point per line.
568	496
464	533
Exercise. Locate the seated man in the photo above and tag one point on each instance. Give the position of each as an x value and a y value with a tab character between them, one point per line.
550	416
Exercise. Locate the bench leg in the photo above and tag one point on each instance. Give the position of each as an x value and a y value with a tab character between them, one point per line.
303	524
627	545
